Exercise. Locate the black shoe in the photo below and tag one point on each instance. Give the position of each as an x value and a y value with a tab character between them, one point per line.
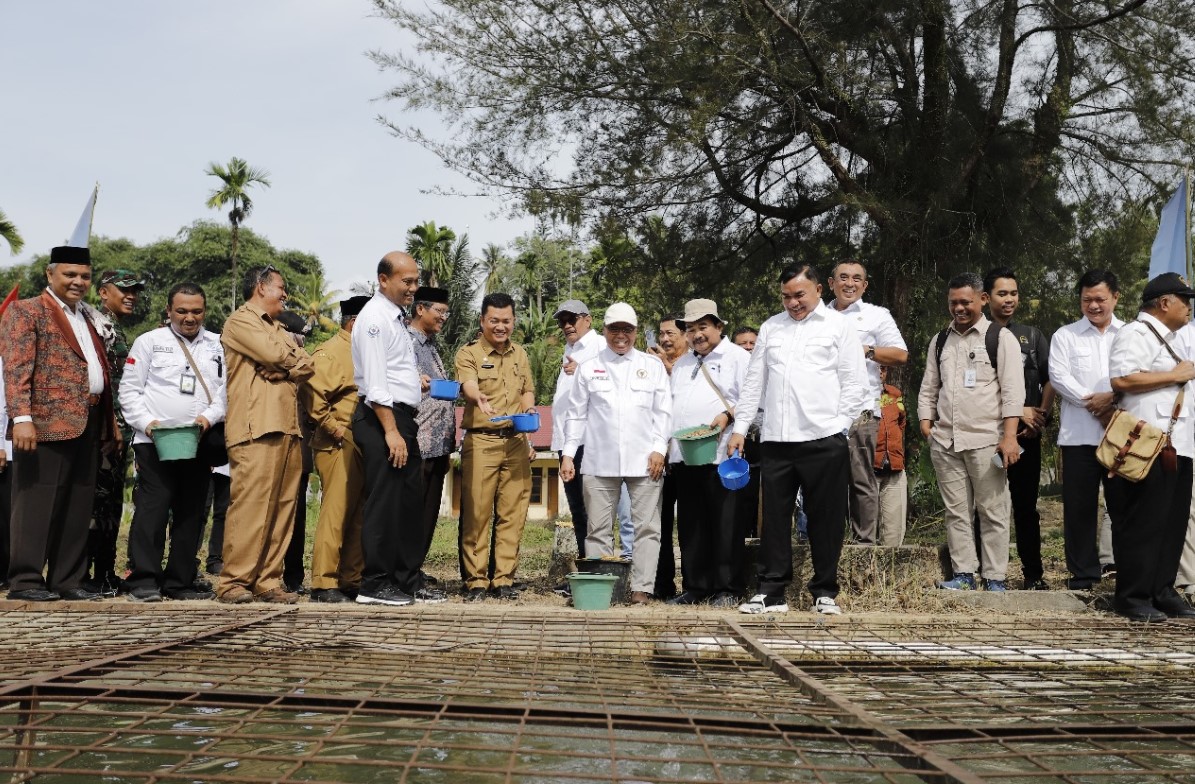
145	594
688	597
1108	571
430	596
107	586
80	595
475	595
33	595
329	596
1138	611
299	589
1175	607
190	595
506	593
664	594
201	585
215	566
389	596
426	579
1036	585
1079	585
350	592
725	600
564	589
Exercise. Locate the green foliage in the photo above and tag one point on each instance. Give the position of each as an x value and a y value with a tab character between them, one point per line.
236	179
9	233
432	247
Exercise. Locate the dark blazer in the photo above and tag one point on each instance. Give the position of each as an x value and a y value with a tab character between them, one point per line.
45	371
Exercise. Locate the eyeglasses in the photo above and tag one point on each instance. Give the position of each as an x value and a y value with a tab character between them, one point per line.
569	318
621	329
264	274
441	312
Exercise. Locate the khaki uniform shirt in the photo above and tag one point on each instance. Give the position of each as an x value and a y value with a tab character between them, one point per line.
503	377
972	417
257	407
330	397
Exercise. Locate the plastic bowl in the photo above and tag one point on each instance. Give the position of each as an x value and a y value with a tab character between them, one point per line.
523	423
176	443
443	389
734	472
698	445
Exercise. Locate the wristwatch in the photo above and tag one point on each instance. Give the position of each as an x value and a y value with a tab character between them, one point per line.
870	353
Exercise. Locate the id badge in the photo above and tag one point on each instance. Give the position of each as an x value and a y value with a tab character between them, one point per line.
968	378
186	384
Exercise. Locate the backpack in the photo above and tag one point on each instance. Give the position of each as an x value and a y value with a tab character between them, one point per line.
991	341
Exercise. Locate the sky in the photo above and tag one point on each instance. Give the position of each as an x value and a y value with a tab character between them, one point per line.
141	95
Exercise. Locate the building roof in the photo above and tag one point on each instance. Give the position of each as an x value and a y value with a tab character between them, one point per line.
541	439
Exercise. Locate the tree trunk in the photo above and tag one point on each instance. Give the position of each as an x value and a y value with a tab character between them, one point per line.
233	261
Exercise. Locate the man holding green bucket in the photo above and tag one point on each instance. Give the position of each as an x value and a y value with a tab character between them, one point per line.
706	383
174	376
620	408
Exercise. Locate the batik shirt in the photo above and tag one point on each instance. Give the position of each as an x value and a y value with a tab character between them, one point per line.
436	418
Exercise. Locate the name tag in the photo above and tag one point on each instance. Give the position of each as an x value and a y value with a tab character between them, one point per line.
969	378
186	384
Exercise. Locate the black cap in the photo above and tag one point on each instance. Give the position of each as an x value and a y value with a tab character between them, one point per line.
65	254
352	306
1167	283
429	294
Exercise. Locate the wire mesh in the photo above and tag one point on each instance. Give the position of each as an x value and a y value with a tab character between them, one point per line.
535	695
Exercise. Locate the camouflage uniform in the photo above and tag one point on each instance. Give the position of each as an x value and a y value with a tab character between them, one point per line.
108	507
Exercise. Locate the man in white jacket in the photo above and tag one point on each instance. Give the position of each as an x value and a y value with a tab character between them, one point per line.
174	376
620	408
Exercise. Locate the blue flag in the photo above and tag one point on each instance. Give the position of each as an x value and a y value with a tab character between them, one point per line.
1169	252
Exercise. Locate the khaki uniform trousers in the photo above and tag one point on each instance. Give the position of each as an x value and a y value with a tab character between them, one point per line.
496	480
894	509
265	484
970	483
336	560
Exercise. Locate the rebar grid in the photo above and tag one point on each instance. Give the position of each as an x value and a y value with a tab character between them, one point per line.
452	694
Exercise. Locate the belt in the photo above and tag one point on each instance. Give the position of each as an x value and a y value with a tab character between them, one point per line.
404	407
93	400
505	432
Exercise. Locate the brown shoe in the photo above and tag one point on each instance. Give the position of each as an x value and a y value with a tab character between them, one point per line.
278	596
640	597
236	595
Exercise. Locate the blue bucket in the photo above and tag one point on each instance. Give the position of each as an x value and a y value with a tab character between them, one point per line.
734	472
523	423
443	389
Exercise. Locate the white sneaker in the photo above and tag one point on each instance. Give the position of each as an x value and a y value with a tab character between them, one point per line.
826	606
761	603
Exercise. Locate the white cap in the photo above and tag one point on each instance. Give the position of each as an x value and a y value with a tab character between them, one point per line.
621	313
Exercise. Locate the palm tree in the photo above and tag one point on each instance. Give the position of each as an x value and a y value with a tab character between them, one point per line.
311	299
8	231
431	245
237	178
493	261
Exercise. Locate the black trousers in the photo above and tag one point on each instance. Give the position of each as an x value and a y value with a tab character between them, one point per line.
1082	475
665	585
292	565
218	497
1024	484
1149	526
575	495
108	510
710	544
747	503
5	514
822	469
167	492
52	492
434	471
392	533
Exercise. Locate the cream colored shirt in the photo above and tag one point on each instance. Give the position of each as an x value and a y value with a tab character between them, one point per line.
971	417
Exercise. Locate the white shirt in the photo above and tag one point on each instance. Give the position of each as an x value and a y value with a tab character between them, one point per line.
876	327
4	442
1136	349
1078	368
620	408
808	375
586	347
694	401
95	365
155	374
384	366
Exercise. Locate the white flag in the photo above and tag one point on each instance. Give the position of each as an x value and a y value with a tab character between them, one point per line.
81	237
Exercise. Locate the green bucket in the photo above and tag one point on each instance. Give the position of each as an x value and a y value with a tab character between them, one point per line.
591	591
176	443
698	445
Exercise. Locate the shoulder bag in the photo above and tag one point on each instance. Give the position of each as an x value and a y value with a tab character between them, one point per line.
1130	445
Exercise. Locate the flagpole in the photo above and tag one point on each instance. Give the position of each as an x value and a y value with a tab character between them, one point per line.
1187	236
